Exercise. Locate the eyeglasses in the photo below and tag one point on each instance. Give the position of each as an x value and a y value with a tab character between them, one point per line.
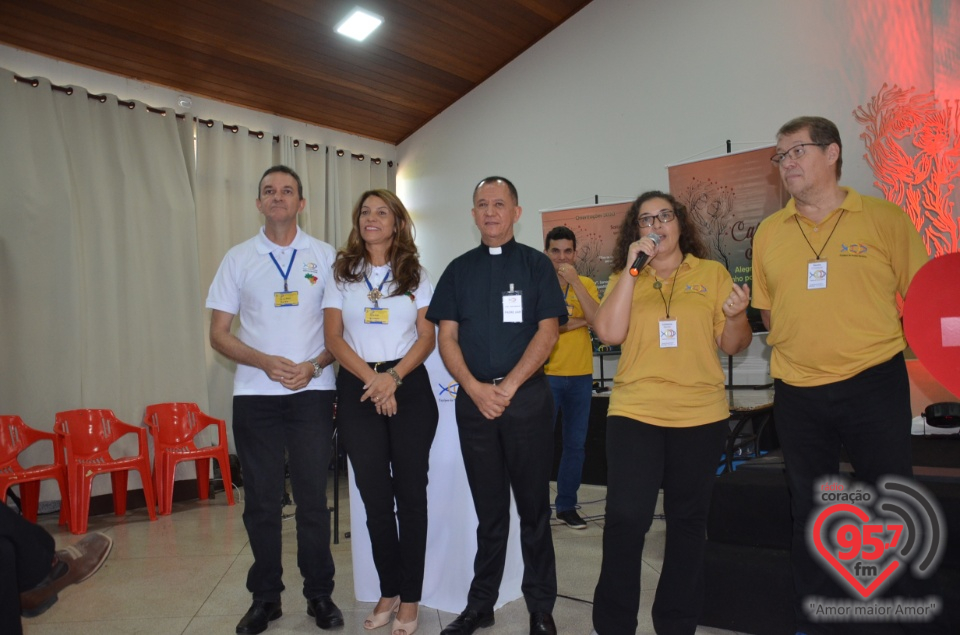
664	216
794	153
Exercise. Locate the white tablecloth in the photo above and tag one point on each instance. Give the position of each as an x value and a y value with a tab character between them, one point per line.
451	534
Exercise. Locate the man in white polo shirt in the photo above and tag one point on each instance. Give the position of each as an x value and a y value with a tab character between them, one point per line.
282	400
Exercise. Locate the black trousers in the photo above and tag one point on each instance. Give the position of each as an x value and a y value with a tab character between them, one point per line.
265	428
642	458
514	451
869	414
26	557
390	458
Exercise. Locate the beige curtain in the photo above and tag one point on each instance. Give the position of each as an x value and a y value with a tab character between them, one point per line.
99	297
113	222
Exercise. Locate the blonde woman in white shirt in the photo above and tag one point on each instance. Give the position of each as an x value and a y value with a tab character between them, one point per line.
375	325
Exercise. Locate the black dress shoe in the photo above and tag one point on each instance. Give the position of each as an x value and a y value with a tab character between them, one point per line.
326	612
469	621
259	616
542	624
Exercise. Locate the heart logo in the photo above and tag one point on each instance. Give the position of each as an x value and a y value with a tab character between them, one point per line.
931	319
850	538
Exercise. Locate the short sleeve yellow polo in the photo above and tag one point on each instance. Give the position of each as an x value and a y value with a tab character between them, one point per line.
572	355
674	387
821	336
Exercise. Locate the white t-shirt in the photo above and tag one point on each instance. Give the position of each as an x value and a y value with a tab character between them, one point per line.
247	284
378	342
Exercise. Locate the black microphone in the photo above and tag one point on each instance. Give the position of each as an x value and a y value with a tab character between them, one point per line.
642	258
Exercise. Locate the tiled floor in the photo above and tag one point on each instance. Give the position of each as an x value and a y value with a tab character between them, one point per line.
185	573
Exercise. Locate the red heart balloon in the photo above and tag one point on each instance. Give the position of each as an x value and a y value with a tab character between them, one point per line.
931	319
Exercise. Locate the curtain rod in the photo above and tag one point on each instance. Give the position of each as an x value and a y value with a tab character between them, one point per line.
68	90
259	134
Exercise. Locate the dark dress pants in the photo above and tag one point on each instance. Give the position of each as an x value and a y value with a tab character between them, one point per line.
26	557
642	458
390	458
514	451
869	414
264	426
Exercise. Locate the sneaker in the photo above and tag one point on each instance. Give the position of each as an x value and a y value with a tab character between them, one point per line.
571	519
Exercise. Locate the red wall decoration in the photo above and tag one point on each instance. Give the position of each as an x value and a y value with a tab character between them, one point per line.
913	148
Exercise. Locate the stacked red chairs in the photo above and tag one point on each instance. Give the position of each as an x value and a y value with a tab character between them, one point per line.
87	436
15	437
174	427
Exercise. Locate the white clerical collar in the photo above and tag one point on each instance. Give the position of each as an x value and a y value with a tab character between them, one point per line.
495	251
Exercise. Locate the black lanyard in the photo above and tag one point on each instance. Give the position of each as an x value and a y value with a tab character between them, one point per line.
815	253
659	287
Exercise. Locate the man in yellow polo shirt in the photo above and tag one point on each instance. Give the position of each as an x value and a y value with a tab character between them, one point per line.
827	271
570	369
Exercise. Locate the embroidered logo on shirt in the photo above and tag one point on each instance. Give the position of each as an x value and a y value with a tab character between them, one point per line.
853	249
696	288
310	266
312	278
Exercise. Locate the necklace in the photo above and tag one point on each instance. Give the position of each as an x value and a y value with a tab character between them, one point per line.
376	293
816	228
659	287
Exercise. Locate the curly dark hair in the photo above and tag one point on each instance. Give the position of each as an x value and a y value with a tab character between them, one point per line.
690	241
352	260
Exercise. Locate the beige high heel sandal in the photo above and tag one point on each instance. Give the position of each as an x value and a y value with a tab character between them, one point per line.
406	628
377	620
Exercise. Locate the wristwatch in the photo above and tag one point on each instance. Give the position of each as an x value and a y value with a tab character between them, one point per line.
317	368
396	376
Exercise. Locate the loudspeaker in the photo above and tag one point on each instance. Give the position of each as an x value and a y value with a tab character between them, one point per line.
943	415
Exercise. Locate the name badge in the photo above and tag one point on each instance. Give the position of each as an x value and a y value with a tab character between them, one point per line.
817	274
286	298
376	316
668	333
512	306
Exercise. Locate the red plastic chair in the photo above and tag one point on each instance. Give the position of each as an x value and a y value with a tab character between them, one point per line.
15	437
174	427
87	436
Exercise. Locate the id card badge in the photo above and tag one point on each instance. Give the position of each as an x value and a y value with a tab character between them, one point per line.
512	306
373	315
668	333
817	274
286	298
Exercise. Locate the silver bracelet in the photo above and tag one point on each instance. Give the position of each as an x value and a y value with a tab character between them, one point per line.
396	376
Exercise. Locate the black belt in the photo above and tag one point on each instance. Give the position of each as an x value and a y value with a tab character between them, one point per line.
496	381
382	366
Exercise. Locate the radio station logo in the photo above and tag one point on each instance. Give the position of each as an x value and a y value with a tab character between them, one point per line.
867	539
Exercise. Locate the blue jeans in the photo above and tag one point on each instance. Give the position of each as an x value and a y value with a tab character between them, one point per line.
571	395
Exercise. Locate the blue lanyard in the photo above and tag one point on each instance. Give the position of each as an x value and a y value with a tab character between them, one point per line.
566	291
289	267
374	296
